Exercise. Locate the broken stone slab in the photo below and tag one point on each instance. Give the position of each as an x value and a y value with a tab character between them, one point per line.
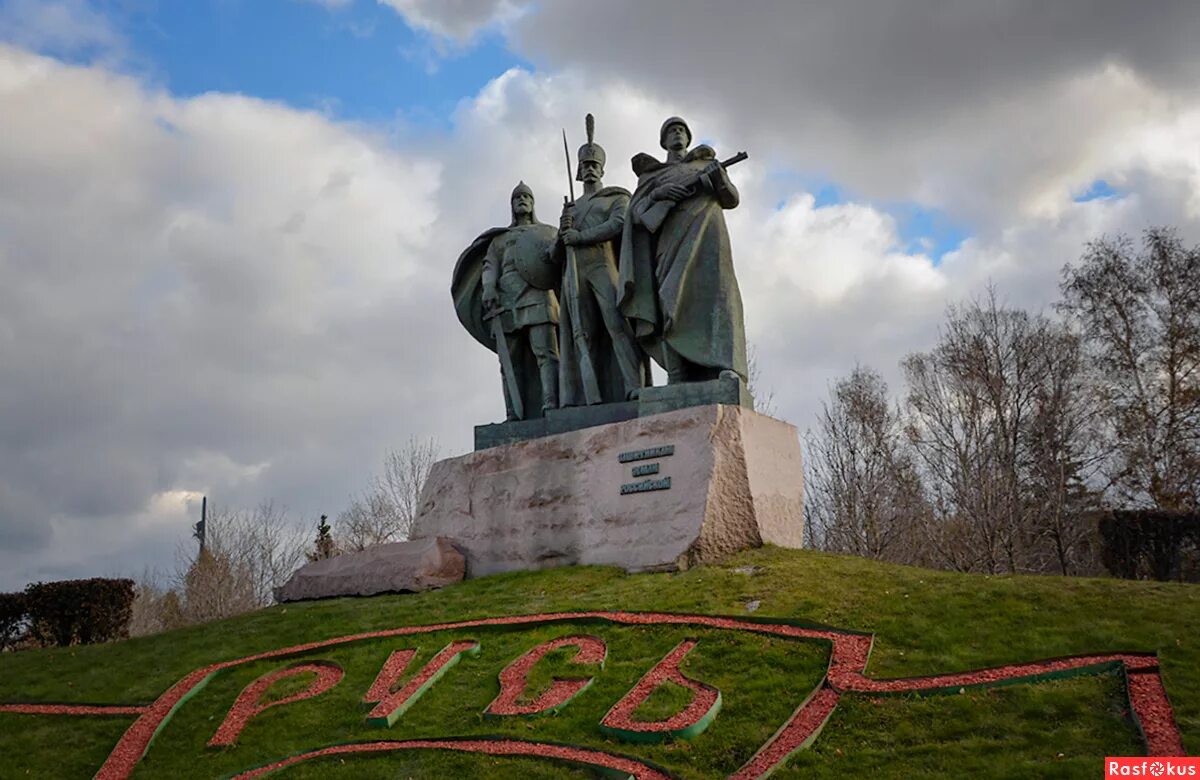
423	564
660	492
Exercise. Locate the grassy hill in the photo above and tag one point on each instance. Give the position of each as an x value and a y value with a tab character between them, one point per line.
924	622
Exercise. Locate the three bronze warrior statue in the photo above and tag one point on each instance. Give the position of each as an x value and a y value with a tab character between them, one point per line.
575	312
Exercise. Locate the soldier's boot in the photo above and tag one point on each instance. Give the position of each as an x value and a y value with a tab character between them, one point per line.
548	369
587	369
624	344
676	366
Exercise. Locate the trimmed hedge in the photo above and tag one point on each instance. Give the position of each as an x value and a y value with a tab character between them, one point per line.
79	611
12	619
1153	544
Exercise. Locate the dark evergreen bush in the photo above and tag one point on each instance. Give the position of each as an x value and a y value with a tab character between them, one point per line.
79	611
1153	544
12	619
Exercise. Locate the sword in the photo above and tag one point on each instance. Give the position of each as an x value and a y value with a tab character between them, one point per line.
506	367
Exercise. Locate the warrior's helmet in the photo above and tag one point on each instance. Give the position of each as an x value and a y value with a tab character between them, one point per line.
672	120
521	189
591	151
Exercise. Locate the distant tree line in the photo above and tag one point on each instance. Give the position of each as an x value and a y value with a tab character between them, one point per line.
1017	433
249	553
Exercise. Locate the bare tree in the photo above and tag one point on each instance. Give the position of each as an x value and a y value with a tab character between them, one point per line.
864	496
1139	312
247	555
386	510
156	607
764	397
1062	459
997	417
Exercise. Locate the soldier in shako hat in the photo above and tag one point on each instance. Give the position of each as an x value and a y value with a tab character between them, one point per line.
600	360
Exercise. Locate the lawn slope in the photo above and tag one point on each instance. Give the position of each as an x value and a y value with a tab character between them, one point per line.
924	623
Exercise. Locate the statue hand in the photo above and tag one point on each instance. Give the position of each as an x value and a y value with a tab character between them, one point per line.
671	192
712	170
571	236
490	301
566	221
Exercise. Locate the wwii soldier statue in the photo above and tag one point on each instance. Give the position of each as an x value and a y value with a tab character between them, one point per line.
677	284
504	293
600	362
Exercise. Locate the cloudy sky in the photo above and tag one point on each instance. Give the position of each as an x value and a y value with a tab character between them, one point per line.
227	226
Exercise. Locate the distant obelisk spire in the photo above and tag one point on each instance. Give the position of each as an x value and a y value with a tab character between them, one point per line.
199	528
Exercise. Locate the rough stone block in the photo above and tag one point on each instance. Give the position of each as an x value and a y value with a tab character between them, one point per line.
729	390
417	565
727	479
573	418
499	434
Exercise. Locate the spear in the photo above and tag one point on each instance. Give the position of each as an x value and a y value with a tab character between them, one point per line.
570	178
587	371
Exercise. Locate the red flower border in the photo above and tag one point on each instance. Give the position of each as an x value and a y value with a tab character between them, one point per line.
74	709
1149	706
581	756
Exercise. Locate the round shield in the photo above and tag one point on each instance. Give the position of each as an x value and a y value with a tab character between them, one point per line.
530	252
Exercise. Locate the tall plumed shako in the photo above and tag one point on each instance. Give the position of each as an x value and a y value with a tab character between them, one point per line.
672	120
591	151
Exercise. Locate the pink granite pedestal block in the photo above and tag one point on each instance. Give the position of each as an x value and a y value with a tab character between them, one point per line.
660	492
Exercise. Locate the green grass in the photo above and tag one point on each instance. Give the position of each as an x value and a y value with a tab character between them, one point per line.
926	622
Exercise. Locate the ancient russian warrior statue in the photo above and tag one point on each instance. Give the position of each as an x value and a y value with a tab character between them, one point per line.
504	292
600	361
677	284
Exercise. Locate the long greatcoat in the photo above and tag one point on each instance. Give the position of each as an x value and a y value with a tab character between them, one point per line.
677	284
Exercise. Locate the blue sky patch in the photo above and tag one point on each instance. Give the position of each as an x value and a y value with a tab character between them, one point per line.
928	231
1098	190
360	62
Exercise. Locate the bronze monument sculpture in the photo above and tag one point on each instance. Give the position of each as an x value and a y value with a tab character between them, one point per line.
600	362
677	281
594	464
638	276
620	472
504	293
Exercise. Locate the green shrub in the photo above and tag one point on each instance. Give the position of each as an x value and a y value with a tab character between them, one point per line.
12	619
79	611
1153	544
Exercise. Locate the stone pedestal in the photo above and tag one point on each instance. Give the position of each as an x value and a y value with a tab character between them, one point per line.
728	390
659	492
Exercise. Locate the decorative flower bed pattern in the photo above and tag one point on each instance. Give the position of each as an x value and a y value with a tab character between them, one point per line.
1149	706
514	679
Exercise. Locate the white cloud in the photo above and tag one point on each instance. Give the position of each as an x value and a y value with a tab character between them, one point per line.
59	26
990	111
190	289
226	296
457	21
